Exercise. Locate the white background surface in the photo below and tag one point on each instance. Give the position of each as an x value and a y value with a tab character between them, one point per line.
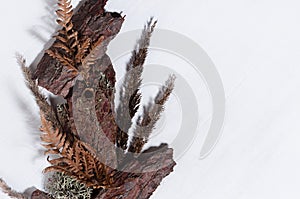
255	46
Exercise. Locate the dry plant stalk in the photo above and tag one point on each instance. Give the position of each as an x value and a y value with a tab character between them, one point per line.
7	190
77	68
151	114
129	93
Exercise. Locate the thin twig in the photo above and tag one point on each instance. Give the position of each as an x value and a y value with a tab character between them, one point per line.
9	191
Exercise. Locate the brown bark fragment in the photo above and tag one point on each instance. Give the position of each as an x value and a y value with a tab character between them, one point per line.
91	109
91	21
38	194
150	168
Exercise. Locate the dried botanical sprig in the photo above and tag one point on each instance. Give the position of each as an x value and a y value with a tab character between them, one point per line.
41	100
139	54
76	158
7	190
165	91
65	61
82	50
64	13
151	114
78	152
94	54
63	116
130	96
67	39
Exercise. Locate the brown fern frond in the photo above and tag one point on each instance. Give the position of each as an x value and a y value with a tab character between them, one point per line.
76	158
151	114
74	35
82	50
40	99
60	38
60	45
67	37
95	53
130	96
65	61
64	13
10	192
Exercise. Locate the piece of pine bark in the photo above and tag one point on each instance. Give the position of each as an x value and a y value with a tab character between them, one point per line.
38	194
92	21
92	108
149	169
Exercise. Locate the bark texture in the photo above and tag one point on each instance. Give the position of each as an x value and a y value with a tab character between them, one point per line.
91	113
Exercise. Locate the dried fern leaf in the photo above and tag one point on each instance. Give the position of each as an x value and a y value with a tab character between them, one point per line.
151	114
67	38
76	158
65	61
62	46
60	38
95	53
82	50
64	13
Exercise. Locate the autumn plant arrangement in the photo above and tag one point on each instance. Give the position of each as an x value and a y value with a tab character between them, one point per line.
86	136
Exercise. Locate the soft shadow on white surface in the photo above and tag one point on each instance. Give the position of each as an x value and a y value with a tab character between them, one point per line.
255	45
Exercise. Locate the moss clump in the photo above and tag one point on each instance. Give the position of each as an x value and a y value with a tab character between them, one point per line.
61	186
